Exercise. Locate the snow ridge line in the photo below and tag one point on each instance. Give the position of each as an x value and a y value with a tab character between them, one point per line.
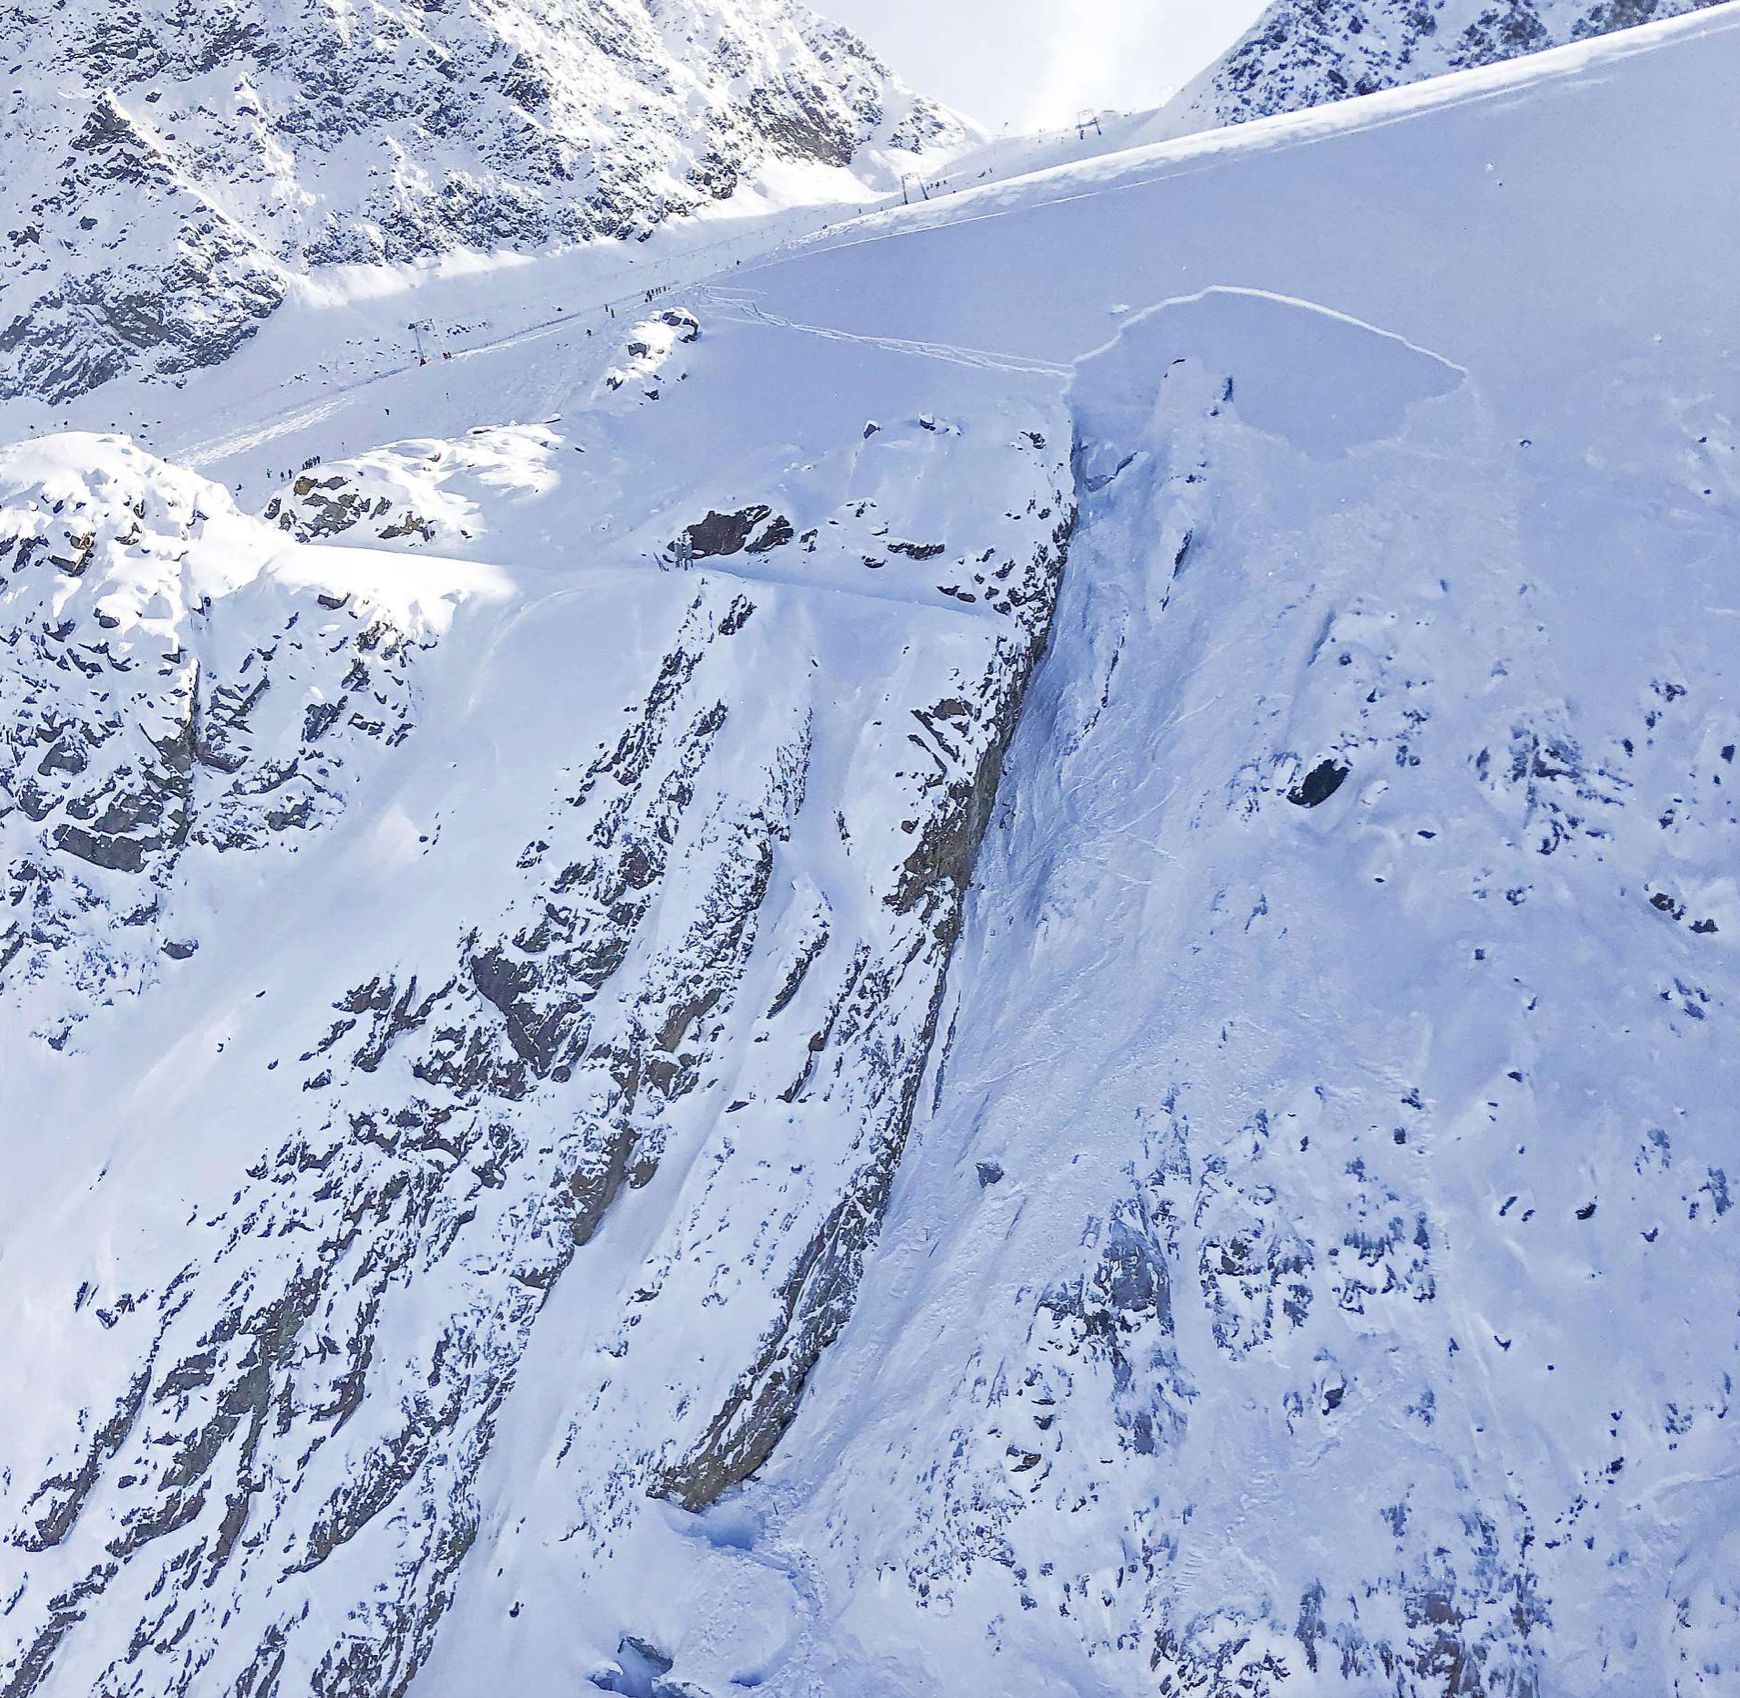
1196	151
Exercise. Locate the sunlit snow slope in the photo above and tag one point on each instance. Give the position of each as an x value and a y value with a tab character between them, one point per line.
539	1176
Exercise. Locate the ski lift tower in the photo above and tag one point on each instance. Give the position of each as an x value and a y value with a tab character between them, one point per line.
1086	120
437	344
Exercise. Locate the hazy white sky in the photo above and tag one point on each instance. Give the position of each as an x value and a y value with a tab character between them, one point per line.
1038	62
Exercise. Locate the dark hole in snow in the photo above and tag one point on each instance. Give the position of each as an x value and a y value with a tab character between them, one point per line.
990	1173
1319	784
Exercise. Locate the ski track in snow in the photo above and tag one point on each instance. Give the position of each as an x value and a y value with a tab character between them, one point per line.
977	358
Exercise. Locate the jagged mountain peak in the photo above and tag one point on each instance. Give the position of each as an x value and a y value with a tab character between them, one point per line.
1302	53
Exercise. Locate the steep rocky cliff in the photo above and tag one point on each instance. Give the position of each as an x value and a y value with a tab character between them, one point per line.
672	836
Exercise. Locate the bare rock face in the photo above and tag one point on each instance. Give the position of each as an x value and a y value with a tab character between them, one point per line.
176	167
1303	53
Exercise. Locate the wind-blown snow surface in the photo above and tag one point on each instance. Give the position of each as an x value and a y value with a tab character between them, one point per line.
1310	1267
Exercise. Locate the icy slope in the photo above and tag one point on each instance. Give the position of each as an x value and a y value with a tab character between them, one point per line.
1303	53
175	172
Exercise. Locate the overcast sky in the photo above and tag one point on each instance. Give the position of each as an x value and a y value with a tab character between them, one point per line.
1034	63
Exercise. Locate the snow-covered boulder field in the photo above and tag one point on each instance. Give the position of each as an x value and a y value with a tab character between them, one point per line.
994	958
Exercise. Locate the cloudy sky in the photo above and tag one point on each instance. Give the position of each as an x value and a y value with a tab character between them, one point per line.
1038	62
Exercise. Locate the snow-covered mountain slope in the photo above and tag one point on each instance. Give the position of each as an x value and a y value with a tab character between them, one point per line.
176	687
1342	1091
176	171
455	923
1303	53
592	1204
1313	1270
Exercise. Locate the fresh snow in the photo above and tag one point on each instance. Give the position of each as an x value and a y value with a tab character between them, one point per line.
1270	1237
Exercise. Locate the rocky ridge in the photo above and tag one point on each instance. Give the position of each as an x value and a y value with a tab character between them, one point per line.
704	985
174	693
1303	53
181	169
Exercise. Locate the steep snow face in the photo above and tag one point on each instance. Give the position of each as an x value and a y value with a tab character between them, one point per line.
1343	1067
609	962
1303	53
176	169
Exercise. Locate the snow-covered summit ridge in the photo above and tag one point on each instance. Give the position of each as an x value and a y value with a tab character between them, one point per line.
174	170
1303	53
